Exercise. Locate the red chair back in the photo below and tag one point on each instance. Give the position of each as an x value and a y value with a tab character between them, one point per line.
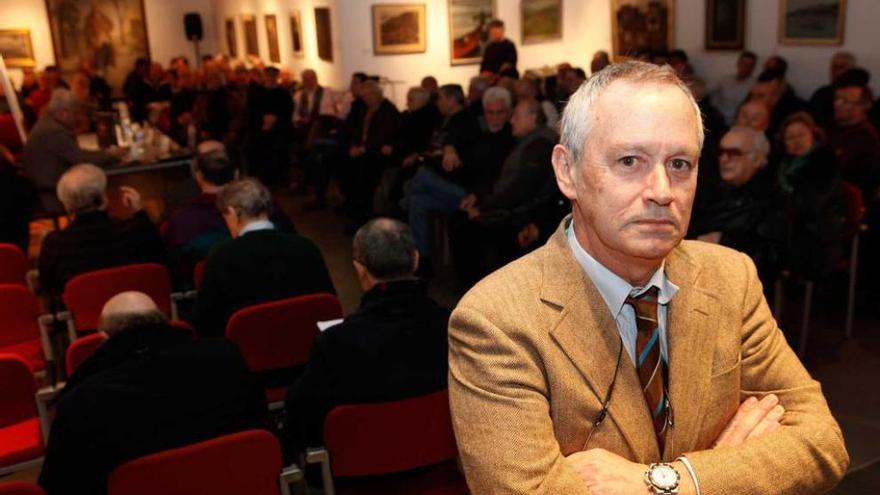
280	334
9	136
854	202
389	437
17	389
13	265
198	274
19	330
82	349
85	294
246	462
20	488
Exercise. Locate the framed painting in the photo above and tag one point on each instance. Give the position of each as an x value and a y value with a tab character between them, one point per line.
324	33
16	48
272	38
399	28
541	20
249	30
725	24
639	26
231	39
108	36
469	29
296	37
812	22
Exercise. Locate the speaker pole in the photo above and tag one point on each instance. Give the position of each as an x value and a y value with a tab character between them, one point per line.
198	54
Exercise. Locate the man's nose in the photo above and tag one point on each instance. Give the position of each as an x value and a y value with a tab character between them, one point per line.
659	187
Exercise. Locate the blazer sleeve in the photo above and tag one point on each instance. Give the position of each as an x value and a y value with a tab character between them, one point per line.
807	454
502	419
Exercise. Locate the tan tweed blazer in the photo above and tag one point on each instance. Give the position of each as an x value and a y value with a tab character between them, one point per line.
532	350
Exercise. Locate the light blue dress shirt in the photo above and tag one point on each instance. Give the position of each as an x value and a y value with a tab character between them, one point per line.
255	226
615	290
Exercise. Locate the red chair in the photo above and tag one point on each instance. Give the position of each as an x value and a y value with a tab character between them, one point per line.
82	349
246	462
20	488
21	332
13	265
85	294
405	447
279	334
21	432
198	274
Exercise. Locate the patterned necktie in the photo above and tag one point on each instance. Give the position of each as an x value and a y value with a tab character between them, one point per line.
650	365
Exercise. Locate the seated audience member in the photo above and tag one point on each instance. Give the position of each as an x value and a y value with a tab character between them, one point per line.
780	98
138	91
269	110
93	240
495	142
715	127
488	239
50	80
393	347
822	101
527	89
149	388
570	79
600	60
430	84
476	88
259	264
743	214
52	148
754	114
18	198
733	89
439	188
855	141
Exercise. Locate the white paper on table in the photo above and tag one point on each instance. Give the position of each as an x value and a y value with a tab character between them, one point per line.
324	325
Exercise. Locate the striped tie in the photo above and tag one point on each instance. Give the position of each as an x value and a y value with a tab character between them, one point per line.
649	363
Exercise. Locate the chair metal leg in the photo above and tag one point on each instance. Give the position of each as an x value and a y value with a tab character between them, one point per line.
805	321
320	455
851	293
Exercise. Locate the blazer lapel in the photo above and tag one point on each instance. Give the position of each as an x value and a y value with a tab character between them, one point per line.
586	332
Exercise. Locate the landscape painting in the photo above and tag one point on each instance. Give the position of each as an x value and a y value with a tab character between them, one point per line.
812	22
16	48
399	28
638	26
541	20
296	37
324	33
725	24
469	29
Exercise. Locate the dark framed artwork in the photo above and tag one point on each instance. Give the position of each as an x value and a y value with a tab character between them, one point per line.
272	38
108	35
468	29
249	32
231	39
399	28
296	37
725	24
541	20
638	26
812	22
323	33
16	48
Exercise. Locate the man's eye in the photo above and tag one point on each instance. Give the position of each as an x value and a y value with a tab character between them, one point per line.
679	164
628	161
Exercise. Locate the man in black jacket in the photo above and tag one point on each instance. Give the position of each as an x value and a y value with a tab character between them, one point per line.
393	347
149	388
259	264
93	240
500	53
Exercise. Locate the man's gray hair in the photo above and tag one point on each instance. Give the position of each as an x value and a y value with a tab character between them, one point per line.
81	188
497	93
759	143
577	118
420	95
63	99
247	197
386	249
479	83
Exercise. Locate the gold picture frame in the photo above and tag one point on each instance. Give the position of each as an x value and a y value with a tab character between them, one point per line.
16	48
540	20
297	41
638	25
399	28
249	34
468	29
820	23
272	38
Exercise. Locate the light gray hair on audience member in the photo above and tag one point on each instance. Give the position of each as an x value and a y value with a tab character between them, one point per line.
578	116
497	93
420	96
81	189
63	99
760	144
247	197
385	247
479	83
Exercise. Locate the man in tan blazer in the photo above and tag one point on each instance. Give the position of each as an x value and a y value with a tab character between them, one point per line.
539	346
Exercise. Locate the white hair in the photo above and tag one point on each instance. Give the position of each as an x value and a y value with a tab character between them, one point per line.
497	93
577	117
759	143
81	188
63	99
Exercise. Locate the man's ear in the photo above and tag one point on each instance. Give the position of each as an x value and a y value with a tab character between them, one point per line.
416	262
565	170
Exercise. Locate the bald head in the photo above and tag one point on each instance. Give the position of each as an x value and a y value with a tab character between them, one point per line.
82	188
754	114
128	309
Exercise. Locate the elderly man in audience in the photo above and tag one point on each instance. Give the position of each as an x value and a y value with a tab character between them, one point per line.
495	142
774	91
528	89
733	89
822	101
52	148
854	140
393	347
94	240
259	264
149	388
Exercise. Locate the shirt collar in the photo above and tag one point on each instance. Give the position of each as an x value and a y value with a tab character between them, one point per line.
615	290
255	226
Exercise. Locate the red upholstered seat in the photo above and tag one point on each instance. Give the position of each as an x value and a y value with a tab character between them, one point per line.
20	442
82	349
21	438
19	329
198	274
85	295
20	488
13	265
248	462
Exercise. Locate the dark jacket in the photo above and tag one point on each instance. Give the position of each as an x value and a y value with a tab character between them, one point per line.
18	198
857	148
393	347
95	241
524	172
489	155
381	128
788	104
497	54
416	129
461	130
149	388
256	267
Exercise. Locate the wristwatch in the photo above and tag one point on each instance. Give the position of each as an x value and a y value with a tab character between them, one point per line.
662	478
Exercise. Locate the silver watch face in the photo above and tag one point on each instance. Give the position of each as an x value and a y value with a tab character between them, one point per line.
664	477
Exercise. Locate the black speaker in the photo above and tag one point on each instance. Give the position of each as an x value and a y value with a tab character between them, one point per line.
192	22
